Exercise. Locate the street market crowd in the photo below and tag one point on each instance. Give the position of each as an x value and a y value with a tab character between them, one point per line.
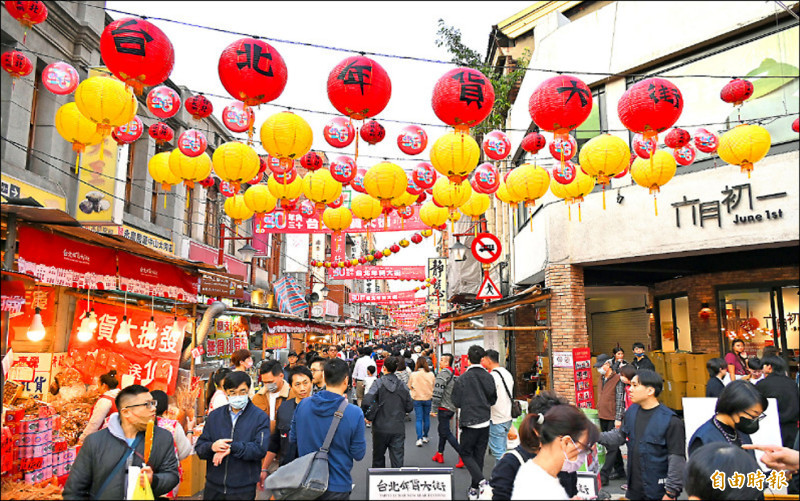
256	434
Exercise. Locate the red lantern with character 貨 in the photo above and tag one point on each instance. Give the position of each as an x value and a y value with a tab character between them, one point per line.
463	98
199	106
27	13
137	52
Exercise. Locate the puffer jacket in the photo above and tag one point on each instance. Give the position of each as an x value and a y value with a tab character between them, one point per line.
394	402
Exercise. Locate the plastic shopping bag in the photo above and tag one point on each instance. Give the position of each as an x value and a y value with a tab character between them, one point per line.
142	490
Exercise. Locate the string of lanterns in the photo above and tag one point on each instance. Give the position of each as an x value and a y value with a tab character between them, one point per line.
373	257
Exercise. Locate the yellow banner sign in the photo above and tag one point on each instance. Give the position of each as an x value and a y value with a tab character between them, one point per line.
14	188
138	236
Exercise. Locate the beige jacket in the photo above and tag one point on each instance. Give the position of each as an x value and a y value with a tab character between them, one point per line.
420	385
261	400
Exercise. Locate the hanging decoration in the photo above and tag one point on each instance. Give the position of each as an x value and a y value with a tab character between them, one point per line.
528	183
256	180
192	143
424	175
496	145
412	188
563	148
321	188
796	125
463	98
677	138
574	191
737	91
486	179
372	132
286	136
252	71
235	163
339	132
412	140
337	220
358	181
533	142
28	13
237	117
744	145
76	129
384	182
566	174
476	206
307	209
560	104
199	106
16	64
137	52
60	78
128	133
643	147
654	173
359	87
311	161
237	210
163	102
107	102
455	155
226	189
343	169
208	182
684	155
258	199
603	157
706	141
336	203
160	171
190	169
161	132
432	216
288	190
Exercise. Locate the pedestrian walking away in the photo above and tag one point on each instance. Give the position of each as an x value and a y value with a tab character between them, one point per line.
360	371
385	406
420	386
610	409
501	410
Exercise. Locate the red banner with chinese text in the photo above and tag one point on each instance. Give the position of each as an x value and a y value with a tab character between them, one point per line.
377	272
154	278
383	297
584	391
41	297
279	221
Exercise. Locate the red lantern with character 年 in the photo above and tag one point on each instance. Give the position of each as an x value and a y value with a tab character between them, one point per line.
60	78
16	64
412	140
496	145
359	87
372	132
463	98
533	142
560	104
161	132
27	13
343	169
128	133
192	143
311	161
199	106
137	52
737	91
238	118
252	71
163	102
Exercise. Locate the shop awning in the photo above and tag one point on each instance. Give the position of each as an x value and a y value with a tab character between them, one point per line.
156	278
531	295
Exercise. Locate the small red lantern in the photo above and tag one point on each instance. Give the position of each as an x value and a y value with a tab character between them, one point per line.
533	142
313	262
337	203
16	64
307	209
137	52
626	170
706	141
262	164
208	182
311	161
285	177
684	155
192	143
496	145
412	140
421	198
259	177
424	175
278	167
378	255
560	104
565	174
486	179
252	71
463	98
563	148
359	87
287	205
343	169
416	238
198	106
27	13
227	189
650	106
394	248
59	78
237	118
643	147
737	91
677	138
161	132
358	181
362	260
128	133
406	212
412	188
339	132
796	125
372	132
163	102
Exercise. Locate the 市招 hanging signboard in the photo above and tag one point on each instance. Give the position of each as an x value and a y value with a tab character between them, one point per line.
155	278
219	284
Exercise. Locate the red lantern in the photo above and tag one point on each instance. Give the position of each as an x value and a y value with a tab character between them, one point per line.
163	102
59	78
262	165
796	125
278	167
362	260
237	118
394	248
496	145
372	132
424	175
406	212
337	203
560	104
285	177
412	188
565	174
192	143
358	181
486	179
27	13
533	142
161	132
199	106
287	205
378	255
128	133
313	262
16	64
208	182
625	171
137	52
463	98
677	138
737	91
568	146
339	132
412	140
259	177
643	147
343	169
706	141
684	155
359	87
421	198
416	238
227	189
650	106
307	209
311	161
252	71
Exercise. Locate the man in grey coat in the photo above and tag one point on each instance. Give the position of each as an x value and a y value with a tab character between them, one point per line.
95	474
442	405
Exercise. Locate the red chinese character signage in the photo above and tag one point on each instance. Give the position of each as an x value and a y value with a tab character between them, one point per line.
293	222
584	392
154	278
377	273
382	297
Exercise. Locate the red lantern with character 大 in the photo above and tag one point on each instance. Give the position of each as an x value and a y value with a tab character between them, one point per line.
199	106
163	102
60	78
28	13
463	98
372	132
412	140
161	132
128	133
496	145
560	104
137	52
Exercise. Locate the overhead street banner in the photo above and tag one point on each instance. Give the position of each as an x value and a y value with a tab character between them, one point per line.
382	297
377	272
293	222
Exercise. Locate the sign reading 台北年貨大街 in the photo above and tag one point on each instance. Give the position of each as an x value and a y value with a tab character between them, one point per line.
410	483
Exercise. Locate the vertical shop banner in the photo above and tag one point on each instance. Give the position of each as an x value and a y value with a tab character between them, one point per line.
150	357
34	371
97	185
337	247
437	293
230	333
584	391
155	278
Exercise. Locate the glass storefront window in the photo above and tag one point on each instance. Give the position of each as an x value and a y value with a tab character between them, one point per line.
791	313
673	324
750	314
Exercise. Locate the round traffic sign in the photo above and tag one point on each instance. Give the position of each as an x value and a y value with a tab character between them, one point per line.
486	248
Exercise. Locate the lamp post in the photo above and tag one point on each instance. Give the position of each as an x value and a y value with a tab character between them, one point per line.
458	249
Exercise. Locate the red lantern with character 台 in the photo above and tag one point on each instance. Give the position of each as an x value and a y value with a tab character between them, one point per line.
192	143
199	106
372	132
650	106
412	140
463	98
238	118
16	64
677	138
128	133
737	91
533	142
60	78
163	102
252	71
496	145
161	132
311	161
27	13
137	52
359	87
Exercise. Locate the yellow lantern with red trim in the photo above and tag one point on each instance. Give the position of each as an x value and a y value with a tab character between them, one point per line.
432	215
476	206
320	187
404	200
527	183
654	173
237	209
571	193
744	145
76	129
365	207
385	181
451	195
288	191
259	199
337	219
159	170
236	163
286	136
455	155
189	169
504	196
107	102
603	157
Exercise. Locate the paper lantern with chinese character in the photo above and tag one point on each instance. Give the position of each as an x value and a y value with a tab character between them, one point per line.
643	147
563	149
359	87
337	219
528	183
286	136
163	102
654	173
161	132
107	102
237	209
486	179
237	118
208	182
433	216
424	175
27	13
496	145
60	78
372	132
451	195
128	133
476	206
311	161
199	106
16	64
339	132
744	145
650	106
706	141
677	138
737	91
343	169
455	155
321	188
190	169
560	104
236	163
192	143
137	52
574	191
252	71
259	199
288	191
159	170
412	140
684	155
75	128
463	98
533	142
385	181
358	181
566	173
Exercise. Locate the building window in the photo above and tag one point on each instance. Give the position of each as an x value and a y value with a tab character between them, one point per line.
672	324
596	123
753	314
187	216
37	87
154	202
129	178
211	228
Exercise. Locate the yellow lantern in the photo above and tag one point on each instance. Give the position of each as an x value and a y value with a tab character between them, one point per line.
237	209
603	157
404	200
258	199
286	136
288	191
451	195
504	196
320	187
76	129
744	145
107	102
455	155
159	170
432	215
337	219
527	183
385	181
190	169
454	216
236	163
365	207
654	173
476	206
582	185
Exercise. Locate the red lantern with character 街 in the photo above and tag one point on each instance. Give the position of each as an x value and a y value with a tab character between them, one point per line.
463	98
252	71
163	102
137	52
16	64
128	133
199	106
161	132
372	132
28	13
650	106
60	78
412	140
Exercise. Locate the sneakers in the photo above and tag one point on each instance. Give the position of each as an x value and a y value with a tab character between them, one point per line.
419	442
438	458
484	490
460	463
369	425
425	440
473	493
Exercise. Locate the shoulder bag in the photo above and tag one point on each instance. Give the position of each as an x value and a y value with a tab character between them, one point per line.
516	407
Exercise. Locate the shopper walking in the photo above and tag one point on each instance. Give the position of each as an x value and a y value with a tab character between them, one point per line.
181	443
640	360
274	392
442	406
360	371
610	407
216	394
501	410
474	394
420	385
105	405
318	374
782	388
385	405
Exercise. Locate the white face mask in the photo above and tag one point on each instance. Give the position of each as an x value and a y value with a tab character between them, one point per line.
573	466
602	370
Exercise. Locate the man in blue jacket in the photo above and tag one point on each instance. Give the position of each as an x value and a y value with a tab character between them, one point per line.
313	418
234	442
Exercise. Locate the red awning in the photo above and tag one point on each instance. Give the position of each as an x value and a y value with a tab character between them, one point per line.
154	278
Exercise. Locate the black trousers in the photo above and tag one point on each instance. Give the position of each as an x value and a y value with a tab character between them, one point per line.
395	442
211	493
445	435
473	449
335	496
613	456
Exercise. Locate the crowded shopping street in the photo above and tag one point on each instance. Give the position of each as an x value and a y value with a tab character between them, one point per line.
400	250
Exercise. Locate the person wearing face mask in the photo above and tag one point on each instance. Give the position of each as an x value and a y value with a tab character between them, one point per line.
610	400
739	409
234	443
275	390
564	436
640	360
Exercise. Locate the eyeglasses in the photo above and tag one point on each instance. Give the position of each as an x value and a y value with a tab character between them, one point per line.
152	404
317	370
756	419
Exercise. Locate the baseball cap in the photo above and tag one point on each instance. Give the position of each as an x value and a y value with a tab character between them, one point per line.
601	359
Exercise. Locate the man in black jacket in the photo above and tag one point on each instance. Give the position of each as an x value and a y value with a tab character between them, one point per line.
474	394
91	476
781	387
640	360
386	404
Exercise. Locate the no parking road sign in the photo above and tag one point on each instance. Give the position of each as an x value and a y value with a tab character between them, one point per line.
486	248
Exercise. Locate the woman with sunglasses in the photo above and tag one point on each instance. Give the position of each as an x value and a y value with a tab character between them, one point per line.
739	409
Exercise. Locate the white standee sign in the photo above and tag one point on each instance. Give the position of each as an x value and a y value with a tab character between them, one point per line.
410	483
